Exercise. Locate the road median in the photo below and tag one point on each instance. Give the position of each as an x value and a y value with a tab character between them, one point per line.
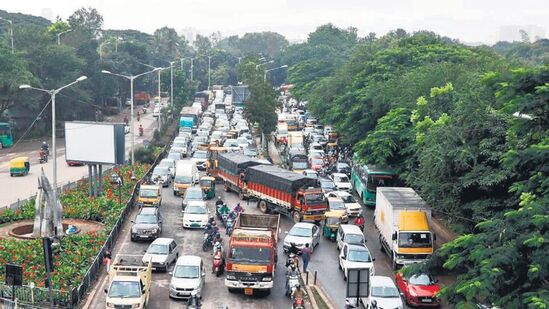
318	298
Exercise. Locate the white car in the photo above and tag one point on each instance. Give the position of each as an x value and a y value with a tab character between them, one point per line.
162	252
231	145
170	164
188	276
200	157
342	182
156	111
180	146
310	174
242	142
353	207
302	233
383	294
162	175
355	256
195	215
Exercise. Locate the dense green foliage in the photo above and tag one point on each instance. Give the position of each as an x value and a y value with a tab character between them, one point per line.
441	113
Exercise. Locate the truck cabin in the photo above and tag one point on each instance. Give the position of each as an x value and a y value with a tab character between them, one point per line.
251	247
311	198
414	231
126	287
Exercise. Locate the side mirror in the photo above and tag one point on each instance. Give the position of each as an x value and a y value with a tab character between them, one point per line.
132	221
171	273
434	236
285	232
343	257
106	291
160	222
394	236
373	259
401	294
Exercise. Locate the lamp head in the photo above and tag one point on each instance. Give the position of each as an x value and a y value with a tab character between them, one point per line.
24	87
106	72
81	78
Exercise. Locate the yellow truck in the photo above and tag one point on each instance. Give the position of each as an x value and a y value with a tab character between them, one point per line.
149	195
129	285
403	220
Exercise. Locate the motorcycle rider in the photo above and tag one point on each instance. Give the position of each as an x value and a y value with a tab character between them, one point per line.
218	205
45	147
238	208
359	221
194	301
291	271
224	209
298	294
140	130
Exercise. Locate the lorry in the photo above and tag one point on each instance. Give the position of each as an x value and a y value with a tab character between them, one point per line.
403	220
141	98
190	112
295	138
203	98
129	282
252	255
240	95
231	169
281	132
285	192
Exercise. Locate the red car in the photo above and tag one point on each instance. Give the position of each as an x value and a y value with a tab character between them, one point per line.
419	290
73	163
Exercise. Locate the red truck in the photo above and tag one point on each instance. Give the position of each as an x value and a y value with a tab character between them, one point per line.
232	168
141	98
252	253
285	192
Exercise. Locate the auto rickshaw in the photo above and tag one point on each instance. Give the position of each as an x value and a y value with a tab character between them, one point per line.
332	220
207	184
19	166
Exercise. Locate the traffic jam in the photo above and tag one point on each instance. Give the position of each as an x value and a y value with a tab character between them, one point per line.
217	192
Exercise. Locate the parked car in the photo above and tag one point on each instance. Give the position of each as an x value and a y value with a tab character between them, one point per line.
192	194
187	276
352	206
302	233
162	252
419	290
342	182
196	215
353	257
147	224
383	294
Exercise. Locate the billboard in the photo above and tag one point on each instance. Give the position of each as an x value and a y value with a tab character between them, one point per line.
94	142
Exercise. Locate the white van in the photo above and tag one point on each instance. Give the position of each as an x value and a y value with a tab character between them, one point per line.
349	234
186	175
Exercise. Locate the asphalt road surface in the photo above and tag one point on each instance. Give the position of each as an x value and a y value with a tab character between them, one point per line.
24	187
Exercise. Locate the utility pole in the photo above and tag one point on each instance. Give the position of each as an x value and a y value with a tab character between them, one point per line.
209	72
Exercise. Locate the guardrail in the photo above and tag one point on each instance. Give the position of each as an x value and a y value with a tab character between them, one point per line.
34	297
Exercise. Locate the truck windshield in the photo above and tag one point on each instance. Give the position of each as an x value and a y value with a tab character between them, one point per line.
186	271
125	289
414	240
250	255
147	193
314	198
183	179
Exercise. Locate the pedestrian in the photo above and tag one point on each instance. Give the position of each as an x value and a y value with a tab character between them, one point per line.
306	254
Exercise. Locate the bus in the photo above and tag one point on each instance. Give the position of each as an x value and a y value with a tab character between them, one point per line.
365	180
6	137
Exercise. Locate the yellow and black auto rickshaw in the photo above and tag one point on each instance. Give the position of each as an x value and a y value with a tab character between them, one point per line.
19	166
332	220
207	183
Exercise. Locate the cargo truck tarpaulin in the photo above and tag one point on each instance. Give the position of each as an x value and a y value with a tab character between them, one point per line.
234	163
278	178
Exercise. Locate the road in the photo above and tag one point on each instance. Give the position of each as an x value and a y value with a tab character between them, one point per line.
24	187
215	294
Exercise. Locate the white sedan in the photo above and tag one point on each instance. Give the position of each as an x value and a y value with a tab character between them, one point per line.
353	207
196	215
302	233
342	182
355	256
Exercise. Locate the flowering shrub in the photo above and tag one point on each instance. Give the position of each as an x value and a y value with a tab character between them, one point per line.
76	252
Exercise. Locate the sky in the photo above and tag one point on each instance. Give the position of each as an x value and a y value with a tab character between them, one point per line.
467	20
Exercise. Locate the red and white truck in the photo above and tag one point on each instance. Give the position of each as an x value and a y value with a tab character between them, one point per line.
252	253
232	168
285	192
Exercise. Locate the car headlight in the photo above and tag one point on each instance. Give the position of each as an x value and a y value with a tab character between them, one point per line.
154	230
231	277
110	305
136	305
267	279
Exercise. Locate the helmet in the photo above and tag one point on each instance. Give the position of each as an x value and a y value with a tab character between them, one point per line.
219	197
213	223
44	143
193	293
297	286
292	265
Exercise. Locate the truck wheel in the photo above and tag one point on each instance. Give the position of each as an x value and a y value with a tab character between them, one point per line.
297	217
263	206
226	188
241	195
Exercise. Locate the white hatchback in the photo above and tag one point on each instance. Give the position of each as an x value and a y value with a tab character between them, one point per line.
188	276
354	257
342	182
195	215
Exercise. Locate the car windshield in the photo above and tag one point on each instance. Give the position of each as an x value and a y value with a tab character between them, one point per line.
174	156
216	135
242	140
326	184
125	289
384	292
200	139
301	231
179	145
250	255
299	165
341	179
165	163
183	179
200	155
337	205
198	210
186	271
148	192
230	143
359	256
157	249
145	219
355	239
160	170
348	199
421	279
317	161
193	195
414	240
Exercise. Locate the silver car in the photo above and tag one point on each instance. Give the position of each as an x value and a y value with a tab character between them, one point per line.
302	233
162	252
162	175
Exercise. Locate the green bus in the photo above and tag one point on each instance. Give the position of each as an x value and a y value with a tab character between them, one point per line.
6	137
365	179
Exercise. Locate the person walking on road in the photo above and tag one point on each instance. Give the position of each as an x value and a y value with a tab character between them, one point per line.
306	254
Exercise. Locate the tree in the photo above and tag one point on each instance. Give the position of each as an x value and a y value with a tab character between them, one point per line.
14	72
87	21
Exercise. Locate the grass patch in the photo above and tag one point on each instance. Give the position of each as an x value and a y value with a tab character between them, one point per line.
318	299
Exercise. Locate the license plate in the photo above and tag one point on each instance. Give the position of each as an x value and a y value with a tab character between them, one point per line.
195	225
427	300
248	291
143	236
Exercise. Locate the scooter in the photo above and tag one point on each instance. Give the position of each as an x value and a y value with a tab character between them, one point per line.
293	281
298	303
43	156
218	264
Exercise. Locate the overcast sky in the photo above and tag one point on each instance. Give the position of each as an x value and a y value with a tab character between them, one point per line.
467	20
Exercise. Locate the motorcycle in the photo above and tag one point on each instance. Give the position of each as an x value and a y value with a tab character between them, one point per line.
218	264
298	303
229	225
292	282
209	240
140	131
43	156
144	110
351	303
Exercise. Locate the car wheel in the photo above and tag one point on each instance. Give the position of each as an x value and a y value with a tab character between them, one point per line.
340	266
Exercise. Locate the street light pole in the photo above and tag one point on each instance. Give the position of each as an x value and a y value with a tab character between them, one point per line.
132	128
59	36
209	71
53	94
11	33
171	82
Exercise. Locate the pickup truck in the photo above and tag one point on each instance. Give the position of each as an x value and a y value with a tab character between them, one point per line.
129	283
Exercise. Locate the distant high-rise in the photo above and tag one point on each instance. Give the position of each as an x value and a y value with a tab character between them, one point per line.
515	32
47	13
189	34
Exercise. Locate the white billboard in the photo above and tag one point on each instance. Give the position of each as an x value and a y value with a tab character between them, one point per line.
94	142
